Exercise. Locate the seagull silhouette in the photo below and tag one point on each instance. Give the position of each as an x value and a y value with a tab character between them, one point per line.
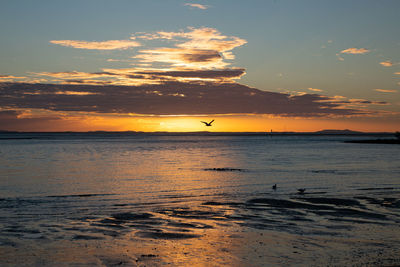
207	123
274	187
301	191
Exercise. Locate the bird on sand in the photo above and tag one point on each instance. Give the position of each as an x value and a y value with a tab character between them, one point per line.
274	187
207	123
301	190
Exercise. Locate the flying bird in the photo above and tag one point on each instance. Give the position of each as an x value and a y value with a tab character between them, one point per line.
207	123
301	190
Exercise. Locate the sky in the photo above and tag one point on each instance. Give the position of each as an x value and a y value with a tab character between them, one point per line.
167	65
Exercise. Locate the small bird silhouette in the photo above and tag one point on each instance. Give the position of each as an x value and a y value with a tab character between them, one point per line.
274	187
301	190
207	123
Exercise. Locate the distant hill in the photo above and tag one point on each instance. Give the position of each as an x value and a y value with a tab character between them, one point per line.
346	131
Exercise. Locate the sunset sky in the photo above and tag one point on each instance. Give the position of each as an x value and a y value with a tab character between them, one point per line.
166	65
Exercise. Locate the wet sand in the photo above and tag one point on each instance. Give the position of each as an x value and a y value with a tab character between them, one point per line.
267	230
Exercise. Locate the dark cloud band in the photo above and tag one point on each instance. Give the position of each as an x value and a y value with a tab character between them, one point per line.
170	98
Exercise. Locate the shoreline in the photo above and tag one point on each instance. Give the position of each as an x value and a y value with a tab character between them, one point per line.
375	141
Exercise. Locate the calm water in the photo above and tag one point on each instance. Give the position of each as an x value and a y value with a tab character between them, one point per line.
177	187
142	168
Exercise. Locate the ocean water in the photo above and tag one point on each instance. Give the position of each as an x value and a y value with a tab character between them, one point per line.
209	197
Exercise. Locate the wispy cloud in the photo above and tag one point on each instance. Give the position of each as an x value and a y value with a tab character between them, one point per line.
385	90
105	45
315	89
74	74
357	104
367	102
339	57
355	51
199	6
386	63
10	78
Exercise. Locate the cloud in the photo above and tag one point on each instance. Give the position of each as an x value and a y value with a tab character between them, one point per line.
8	114
186	72
210	39
105	45
170	98
339	57
385	90
386	63
194	54
224	73
357	104
202	48
10	78
199	6
140	76
355	51
364	101
315	89
74	74
181	57
16	120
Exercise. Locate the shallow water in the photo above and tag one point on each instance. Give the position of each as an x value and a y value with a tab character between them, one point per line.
133	200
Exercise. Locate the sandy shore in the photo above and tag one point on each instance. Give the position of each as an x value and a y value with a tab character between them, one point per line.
214	248
297	231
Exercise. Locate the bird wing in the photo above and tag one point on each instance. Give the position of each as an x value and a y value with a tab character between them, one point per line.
211	122
204	122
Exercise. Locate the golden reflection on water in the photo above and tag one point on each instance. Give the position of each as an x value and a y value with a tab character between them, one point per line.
171	170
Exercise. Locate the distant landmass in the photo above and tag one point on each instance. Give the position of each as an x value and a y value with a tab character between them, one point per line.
346	131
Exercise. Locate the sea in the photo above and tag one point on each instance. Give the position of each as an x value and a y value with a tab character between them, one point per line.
202	199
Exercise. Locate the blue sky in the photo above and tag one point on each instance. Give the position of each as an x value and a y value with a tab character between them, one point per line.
290	46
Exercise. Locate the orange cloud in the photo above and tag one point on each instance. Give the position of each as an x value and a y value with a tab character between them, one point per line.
386	91
201	48
199	6
210	39
198	54
386	63
355	51
315	89
10	78
105	45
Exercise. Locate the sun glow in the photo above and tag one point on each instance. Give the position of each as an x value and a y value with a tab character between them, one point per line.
42	121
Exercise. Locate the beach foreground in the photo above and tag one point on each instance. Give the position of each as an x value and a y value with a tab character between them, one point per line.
311	230
198	200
